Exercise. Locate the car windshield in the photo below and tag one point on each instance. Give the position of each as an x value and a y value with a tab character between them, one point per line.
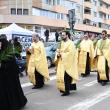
47	44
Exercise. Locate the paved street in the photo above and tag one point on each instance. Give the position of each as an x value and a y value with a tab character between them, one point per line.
89	95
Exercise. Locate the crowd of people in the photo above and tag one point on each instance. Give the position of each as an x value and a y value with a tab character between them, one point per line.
71	61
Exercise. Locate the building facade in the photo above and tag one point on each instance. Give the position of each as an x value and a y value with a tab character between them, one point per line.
40	15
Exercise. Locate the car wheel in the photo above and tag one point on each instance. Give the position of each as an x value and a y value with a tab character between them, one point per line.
49	62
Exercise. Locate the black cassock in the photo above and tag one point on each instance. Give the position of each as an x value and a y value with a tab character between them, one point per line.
11	93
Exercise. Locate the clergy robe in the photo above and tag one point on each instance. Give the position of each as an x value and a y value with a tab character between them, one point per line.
85	54
11	93
67	63
102	52
38	62
94	60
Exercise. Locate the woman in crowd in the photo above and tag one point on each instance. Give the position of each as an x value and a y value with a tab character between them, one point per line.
11	94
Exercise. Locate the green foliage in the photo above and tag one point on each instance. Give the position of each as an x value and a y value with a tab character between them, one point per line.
8	53
78	44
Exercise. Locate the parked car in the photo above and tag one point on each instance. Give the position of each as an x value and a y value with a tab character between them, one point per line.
21	64
50	53
50	48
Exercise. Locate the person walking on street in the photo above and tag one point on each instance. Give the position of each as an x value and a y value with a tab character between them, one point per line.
11	93
37	67
67	71
86	52
102	53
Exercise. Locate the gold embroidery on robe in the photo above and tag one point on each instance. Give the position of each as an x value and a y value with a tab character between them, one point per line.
38	61
67	62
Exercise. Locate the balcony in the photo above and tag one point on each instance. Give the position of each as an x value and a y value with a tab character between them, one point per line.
88	4
46	6
107	22
60	9
39	20
106	1
83	27
87	16
37	3
104	10
77	1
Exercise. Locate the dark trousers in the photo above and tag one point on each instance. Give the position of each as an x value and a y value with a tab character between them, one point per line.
107	73
87	70
68	85
39	79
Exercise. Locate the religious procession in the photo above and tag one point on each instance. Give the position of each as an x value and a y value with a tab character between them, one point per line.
71	62
54	54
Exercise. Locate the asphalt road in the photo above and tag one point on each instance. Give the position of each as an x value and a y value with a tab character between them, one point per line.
89	95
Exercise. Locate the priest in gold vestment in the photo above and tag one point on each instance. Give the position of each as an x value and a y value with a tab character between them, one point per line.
86	53
102	52
94	60
67	71
37	67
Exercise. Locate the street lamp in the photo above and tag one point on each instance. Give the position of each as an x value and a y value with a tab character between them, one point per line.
72	19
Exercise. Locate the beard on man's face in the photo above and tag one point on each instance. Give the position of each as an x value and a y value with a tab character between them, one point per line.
64	38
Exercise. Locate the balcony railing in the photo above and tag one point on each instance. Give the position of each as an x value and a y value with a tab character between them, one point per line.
106	1
87	16
104	10
88	4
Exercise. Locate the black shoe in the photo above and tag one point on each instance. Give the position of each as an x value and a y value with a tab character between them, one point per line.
103	83
34	87
83	75
73	87
37	87
61	91
65	94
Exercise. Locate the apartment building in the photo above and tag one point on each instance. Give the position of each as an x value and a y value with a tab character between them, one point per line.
39	15
96	15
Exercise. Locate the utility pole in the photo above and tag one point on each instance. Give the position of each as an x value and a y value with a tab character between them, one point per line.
72	19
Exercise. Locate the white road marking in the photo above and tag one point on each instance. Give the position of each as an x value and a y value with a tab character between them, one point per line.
86	104
26	84
30	84
91	83
54	77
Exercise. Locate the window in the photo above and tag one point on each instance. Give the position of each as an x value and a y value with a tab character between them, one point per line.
54	2
95	14
78	9
13	11
62	16
35	11
108	16
69	4
19	11
95	2
38	29
44	13
87	11
101	4
49	14
49	2
58	15
25	12
94	24
58	2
